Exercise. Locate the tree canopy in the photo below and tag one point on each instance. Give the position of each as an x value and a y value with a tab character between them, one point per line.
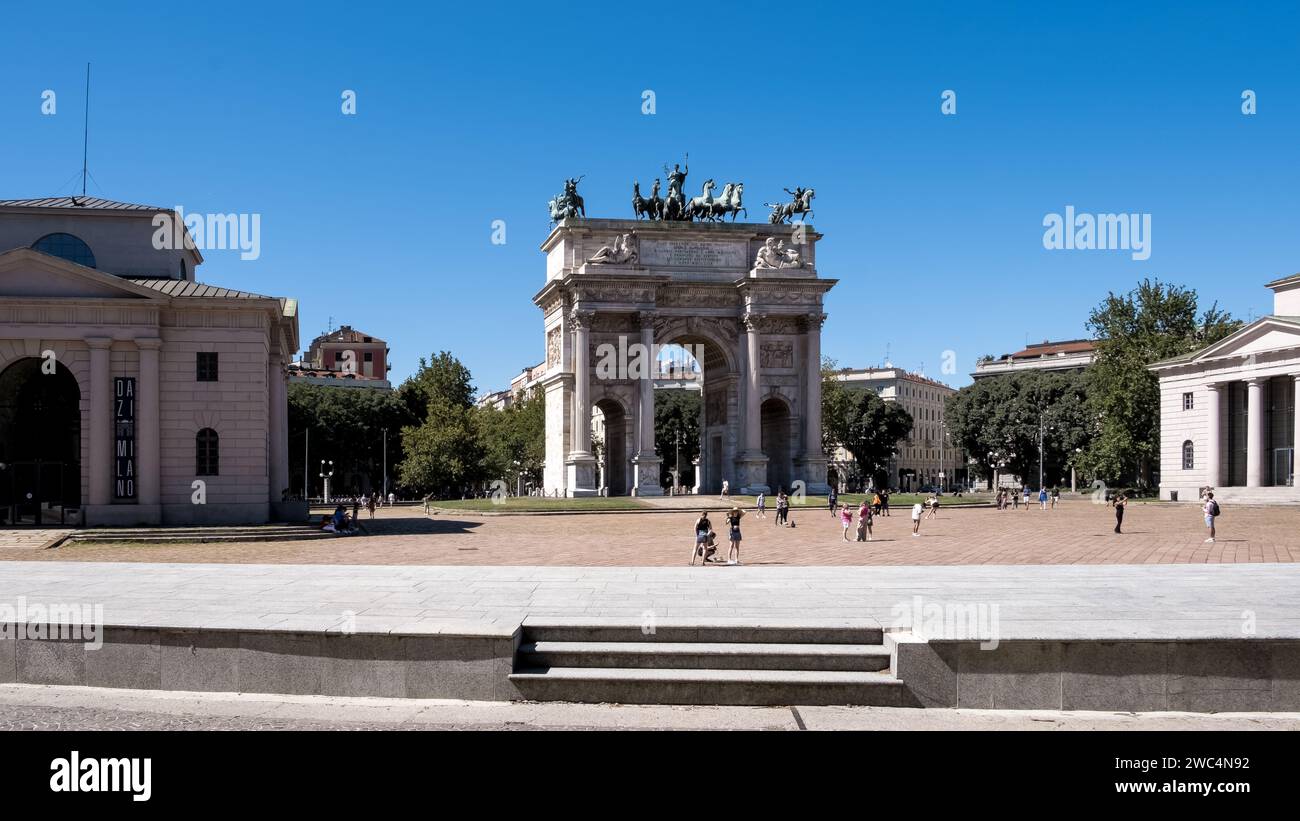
1152	322
862	423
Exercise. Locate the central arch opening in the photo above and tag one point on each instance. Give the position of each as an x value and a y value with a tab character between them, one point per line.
695	400
778	432
40	443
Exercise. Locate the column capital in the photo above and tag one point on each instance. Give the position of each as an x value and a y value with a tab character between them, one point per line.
646	319
813	321
148	343
99	342
581	320
1257	380
749	323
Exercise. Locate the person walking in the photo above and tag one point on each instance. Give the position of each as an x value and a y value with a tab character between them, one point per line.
875	503
832	499
762	506
1118	503
1056	497
726	490
1042	498
884	502
733	532
933	507
370	505
1026	492
1211	511
916	519
846	519
1015	500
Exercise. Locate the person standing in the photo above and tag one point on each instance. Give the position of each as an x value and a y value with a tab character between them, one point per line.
864	522
875	503
370	505
782	505
884	502
1118	503
762	506
703	527
726	490
1042	498
1211	511
1056	497
846	519
832	499
916	519
733	532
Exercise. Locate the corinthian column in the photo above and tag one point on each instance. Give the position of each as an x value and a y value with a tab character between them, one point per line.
581	321
646	463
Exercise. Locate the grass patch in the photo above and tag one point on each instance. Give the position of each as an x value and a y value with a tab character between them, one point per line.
532	504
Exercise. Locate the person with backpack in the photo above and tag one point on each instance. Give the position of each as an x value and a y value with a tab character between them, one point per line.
1211	511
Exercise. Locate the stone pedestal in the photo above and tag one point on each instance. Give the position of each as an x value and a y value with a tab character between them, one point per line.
580	472
751	474
812	469
645	476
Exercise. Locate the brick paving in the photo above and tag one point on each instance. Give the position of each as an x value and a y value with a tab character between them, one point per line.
1078	532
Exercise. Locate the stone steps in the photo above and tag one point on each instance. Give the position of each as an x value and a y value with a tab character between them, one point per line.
188	535
705	655
844	662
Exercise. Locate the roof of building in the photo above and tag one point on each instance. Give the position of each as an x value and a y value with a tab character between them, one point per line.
895	373
185	288
90	203
1046	348
346	333
1287	280
301	369
1240	332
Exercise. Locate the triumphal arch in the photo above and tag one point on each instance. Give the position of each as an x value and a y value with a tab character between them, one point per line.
745	298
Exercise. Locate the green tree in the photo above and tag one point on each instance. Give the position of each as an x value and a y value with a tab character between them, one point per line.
862	423
1154	321
997	420
677	411
513	440
346	426
443	450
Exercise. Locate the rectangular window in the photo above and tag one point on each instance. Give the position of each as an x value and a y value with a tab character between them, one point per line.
207	366
1188	401
370	357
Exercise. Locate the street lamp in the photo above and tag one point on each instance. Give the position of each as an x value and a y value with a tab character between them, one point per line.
326	471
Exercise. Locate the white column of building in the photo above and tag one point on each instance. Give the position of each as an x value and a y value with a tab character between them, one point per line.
753	414
812	444
101	421
148	430
647	387
278	419
1254	432
1295	431
581	389
1213	436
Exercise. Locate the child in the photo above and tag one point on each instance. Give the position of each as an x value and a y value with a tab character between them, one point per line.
916	519
846	519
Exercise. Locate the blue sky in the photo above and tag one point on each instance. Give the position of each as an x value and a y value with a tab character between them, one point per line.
477	112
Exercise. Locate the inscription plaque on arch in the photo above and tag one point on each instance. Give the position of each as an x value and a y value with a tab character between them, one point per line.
674	253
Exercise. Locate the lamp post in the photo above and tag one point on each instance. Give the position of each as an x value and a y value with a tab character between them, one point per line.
385	463
326	471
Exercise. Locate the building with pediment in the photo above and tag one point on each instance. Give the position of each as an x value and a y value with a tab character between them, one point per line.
1228	411
131	393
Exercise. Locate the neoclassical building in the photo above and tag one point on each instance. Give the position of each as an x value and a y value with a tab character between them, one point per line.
746	299
1228	411
130	393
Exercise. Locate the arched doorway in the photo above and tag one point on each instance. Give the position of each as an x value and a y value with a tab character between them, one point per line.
702	365
778	433
40	443
609	429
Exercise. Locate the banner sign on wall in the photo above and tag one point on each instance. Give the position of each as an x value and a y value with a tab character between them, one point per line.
124	437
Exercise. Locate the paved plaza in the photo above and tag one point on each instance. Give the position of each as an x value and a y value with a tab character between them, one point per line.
1077	532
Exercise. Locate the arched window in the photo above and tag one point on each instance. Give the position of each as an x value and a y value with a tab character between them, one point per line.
1188	460
206	448
66	246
